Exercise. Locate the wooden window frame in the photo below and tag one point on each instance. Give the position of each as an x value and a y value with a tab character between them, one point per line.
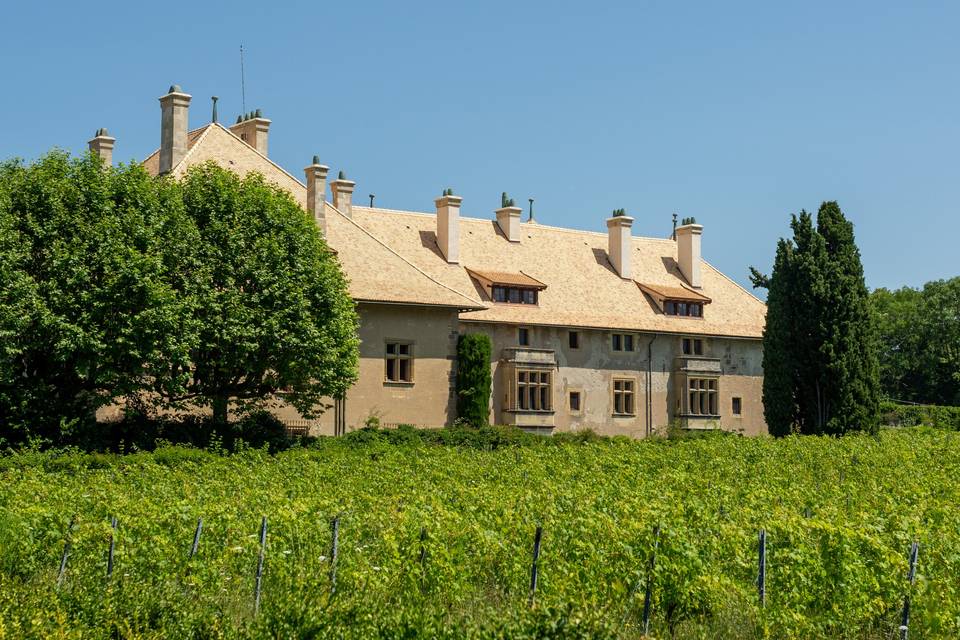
507	294
399	357
683	308
627	396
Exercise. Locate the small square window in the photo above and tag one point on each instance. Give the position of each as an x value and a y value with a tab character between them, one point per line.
575	401
523	336
737	406
670	308
574	339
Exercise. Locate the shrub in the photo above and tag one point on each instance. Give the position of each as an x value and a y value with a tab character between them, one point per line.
901	415
473	379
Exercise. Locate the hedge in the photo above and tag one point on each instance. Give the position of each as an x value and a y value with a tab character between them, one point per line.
903	415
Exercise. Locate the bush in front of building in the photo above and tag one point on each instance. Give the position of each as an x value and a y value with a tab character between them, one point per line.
474	379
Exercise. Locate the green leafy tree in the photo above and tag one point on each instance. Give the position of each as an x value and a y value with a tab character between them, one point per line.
271	303
821	371
919	332
87	312
473	378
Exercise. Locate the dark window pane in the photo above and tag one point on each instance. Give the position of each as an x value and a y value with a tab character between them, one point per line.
391	369
698	347
404	349
737	408
574	401
628	343
686	346
574	340
500	294
391	347
696	310
405	371
524	337
681	308
617	346
545	398
628	403
514	295
670	308
529	296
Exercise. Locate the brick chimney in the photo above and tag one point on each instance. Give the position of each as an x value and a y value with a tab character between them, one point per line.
508	218
253	129
174	109
342	190
688	251
448	225
620	243
317	192
102	145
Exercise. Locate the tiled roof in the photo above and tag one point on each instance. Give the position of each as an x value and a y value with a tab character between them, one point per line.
502	277
583	288
665	292
375	272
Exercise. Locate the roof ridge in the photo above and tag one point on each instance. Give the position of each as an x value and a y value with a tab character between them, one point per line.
538	225
257	151
391	250
733	282
157	150
196	144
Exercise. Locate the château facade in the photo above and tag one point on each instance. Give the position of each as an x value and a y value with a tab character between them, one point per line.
603	330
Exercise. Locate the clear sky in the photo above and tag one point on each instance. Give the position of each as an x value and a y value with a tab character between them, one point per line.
736	113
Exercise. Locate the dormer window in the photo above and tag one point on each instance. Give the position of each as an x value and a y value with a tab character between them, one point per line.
683	308
509	288
676	301
513	295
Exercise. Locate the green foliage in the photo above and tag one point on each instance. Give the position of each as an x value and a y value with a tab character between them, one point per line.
821	371
911	415
271	302
920	342
834	509
474	378
89	262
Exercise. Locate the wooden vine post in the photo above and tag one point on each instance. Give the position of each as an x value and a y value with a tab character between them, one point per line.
533	567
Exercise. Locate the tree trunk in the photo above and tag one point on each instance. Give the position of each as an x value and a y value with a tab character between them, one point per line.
220	405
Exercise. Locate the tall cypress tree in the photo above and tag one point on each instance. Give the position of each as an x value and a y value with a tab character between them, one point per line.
850	348
821	372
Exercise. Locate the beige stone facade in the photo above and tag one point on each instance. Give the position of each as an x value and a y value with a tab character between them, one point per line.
590	330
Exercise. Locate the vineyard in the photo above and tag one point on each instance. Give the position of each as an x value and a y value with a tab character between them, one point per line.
438	541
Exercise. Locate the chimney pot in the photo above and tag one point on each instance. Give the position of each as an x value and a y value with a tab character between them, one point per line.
102	144
174	112
316	175
688	251
448	225
342	190
253	129
620	243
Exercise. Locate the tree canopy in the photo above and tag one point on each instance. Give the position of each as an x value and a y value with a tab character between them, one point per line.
115	284
821	372
919	333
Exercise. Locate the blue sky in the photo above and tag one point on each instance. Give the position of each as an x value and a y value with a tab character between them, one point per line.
736	113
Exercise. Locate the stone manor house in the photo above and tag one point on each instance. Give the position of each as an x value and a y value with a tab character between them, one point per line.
603	330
